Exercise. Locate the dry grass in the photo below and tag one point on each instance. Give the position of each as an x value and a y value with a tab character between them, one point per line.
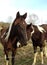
24	56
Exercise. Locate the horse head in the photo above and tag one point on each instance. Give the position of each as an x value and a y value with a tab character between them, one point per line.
18	29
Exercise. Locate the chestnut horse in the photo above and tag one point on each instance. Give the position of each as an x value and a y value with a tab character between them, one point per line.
15	33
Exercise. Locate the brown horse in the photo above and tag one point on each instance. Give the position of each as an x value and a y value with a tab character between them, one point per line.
15	33
38	35
45	27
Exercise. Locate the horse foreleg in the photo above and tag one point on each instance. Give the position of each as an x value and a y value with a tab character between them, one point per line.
41	50
35	55
13	57
6	58
34	61
42	61
44	51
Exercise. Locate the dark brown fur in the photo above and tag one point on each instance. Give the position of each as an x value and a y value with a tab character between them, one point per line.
17	33
37	37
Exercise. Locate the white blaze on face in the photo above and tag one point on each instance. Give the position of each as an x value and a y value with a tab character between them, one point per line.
18	44
41	29
8	33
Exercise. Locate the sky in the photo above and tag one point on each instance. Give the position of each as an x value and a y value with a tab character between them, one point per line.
10	8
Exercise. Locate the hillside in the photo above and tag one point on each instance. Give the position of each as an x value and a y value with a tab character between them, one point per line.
4	24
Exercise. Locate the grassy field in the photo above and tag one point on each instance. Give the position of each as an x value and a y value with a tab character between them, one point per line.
24	56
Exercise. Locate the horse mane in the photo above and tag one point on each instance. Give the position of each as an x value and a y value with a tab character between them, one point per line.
29	25
8	33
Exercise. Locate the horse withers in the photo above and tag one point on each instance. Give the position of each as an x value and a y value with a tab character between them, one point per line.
15	33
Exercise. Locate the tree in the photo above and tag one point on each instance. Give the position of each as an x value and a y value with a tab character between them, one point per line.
33	18
9	19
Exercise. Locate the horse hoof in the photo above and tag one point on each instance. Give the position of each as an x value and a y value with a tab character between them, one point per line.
33	64
42	64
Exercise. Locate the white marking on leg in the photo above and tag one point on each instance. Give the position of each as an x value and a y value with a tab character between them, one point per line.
35	56
6	60
8	33
5	57
45	48
42	61
41	29
45	51
18	44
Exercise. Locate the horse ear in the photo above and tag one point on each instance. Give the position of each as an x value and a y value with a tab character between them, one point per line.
25	15
18	15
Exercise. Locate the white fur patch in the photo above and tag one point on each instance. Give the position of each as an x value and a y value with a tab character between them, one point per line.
7	62
18	44
8	33
5	57
41	29
42	61
32	31
46	51
35	57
